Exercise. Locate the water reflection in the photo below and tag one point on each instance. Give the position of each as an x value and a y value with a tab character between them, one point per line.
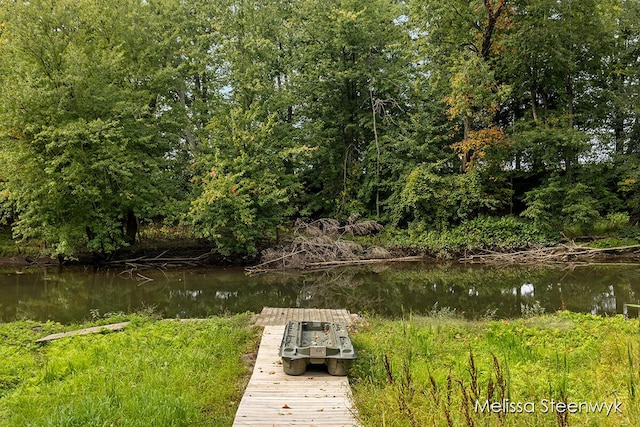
71	295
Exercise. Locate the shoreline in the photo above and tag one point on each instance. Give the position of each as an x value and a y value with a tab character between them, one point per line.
179	257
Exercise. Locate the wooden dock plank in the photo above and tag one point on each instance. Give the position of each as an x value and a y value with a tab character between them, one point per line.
280	316
265	314
273	398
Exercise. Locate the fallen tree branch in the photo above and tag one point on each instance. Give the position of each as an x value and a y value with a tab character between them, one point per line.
159	262
364	261
154	261
553	254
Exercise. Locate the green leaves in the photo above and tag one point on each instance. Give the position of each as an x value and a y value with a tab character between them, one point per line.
245	182
433	198
237	213
118	111
562	202
351	58
80	179
82	141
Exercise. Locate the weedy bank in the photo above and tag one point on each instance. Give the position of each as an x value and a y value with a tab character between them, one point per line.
563	369
160	373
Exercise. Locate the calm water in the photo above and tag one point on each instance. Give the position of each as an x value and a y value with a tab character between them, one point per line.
68	295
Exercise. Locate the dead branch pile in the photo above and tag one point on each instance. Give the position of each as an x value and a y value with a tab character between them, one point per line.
332	227
319	244
316	252
556	254
306	250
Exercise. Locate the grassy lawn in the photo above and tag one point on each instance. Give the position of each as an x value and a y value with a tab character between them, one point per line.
562	369
553	370
154	373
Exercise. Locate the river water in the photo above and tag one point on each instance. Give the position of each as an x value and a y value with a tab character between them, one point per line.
72	294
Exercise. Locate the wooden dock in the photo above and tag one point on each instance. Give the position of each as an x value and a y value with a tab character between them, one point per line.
272	316
315	398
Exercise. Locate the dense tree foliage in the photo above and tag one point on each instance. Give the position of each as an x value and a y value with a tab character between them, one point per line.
239	116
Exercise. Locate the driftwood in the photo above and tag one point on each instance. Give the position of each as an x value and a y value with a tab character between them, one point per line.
134	266
86	331
555	254
161	260
327	264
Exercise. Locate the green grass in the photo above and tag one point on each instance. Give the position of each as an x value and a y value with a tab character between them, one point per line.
421	371
154	373
431	371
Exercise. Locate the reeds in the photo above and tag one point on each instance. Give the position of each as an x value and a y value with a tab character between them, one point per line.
456	401
451	372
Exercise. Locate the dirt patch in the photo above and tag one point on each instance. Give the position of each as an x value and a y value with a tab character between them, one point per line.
12	261
19	261
250	359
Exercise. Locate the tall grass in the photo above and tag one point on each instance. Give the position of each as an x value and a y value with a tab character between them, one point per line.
154	373
449	372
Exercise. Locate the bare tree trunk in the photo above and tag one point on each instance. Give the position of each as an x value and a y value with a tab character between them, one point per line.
570	99
345	165
465	158
534	107
618	118
375	135
131	227
188	134
634	137
545	105
492	20
570	154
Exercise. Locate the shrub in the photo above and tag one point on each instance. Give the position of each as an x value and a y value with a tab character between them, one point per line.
485	232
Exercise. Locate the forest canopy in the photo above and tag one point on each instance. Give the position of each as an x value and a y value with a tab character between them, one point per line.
236	117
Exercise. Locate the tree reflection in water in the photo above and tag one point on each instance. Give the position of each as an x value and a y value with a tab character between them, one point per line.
70	295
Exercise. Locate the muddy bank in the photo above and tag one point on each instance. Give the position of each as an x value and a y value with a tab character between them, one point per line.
167	256
306	252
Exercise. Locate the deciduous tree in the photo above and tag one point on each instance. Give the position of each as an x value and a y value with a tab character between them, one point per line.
83	142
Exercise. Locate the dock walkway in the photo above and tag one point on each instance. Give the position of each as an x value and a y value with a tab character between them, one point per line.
273	398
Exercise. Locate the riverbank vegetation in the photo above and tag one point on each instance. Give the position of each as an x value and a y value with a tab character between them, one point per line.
233	119
432	371
508	235
409	372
